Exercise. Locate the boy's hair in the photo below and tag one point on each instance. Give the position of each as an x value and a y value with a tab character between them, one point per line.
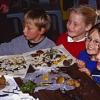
95	27
87	12
40	18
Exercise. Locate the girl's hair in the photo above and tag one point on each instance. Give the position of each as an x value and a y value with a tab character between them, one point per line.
40	18
87	12
95	27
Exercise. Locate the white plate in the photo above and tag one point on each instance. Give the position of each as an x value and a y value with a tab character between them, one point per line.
49	57
13	65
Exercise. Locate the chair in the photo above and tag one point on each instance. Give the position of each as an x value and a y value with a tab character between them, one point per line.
9	28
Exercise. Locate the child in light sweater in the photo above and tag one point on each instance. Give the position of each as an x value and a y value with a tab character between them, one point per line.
35	25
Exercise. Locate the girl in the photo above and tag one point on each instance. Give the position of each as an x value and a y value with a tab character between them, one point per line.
88	57
80	21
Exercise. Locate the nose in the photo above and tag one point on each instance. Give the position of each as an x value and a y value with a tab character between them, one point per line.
24	30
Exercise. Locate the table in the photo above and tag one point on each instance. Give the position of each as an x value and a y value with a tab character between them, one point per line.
88	89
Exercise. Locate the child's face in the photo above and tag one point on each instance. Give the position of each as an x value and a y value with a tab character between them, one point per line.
93	43
76	25
31	31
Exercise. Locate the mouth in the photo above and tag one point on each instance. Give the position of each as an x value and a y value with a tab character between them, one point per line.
70	32
90	47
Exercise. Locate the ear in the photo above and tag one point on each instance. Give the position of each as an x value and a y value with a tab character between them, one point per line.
88	27
43	30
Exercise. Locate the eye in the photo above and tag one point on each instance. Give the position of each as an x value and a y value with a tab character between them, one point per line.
29	28
96	42
89	39
75	24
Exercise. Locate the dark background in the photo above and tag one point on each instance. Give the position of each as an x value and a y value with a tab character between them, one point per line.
11	27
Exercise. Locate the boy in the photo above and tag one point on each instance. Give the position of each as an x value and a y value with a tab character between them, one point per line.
36	23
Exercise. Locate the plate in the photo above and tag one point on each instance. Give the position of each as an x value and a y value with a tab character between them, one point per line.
14	65
57	56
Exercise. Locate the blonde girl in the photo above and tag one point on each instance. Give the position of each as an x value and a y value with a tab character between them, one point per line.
80	21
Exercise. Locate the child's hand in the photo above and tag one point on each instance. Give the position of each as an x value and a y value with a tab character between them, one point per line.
81	64
85	70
